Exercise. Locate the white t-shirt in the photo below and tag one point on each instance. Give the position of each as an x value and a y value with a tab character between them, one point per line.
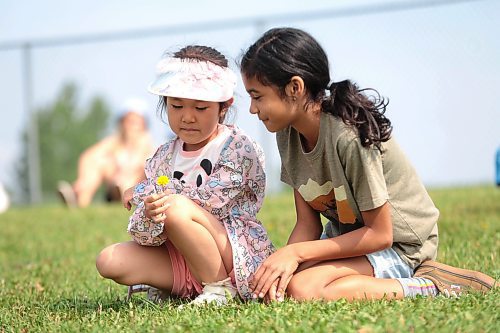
195	167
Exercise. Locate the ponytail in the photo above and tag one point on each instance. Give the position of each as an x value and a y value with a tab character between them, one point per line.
282	53
366	113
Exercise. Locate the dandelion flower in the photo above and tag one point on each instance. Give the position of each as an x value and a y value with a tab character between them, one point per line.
162	180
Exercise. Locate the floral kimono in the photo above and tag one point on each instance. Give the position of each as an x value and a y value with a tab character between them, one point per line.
233	193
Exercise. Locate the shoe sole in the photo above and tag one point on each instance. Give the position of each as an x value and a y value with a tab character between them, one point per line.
64	191
469	275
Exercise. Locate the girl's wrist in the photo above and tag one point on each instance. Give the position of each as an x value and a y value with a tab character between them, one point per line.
296	252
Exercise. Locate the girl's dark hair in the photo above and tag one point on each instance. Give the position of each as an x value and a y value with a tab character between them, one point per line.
202	53
282	53
199	53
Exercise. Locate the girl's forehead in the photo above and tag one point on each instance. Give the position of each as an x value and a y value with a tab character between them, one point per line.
252	83
188	100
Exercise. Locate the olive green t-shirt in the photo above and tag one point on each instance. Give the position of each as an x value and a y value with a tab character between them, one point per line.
340	178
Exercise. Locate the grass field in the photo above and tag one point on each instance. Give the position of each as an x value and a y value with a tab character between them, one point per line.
48	281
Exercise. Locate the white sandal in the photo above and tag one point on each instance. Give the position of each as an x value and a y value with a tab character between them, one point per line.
154	295
217	293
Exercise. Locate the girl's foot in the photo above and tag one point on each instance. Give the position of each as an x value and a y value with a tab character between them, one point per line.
154	295
453	281
217	293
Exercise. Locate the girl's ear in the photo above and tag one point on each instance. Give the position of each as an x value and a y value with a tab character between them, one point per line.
295	88
229	102
226	105
223	110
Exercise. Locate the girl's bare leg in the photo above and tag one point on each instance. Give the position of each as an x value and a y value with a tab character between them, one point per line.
350	278
200	238
130	263
93	168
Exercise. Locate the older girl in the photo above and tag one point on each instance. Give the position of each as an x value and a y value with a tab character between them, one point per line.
339	156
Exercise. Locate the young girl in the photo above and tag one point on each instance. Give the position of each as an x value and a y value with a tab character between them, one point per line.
195	229
338	155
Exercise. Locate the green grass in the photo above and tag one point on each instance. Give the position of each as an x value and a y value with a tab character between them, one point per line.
48	280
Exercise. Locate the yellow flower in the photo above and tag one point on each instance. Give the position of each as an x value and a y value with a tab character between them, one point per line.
162	180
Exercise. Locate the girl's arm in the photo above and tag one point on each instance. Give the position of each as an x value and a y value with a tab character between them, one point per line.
128	194
308	225
374	236
141	227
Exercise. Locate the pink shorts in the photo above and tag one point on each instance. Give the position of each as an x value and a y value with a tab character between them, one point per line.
185	284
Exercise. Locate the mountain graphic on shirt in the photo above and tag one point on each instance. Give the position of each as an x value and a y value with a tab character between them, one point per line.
327	199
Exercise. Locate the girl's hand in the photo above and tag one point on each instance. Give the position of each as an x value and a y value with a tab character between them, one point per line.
127	197
272	294
278	266
155	207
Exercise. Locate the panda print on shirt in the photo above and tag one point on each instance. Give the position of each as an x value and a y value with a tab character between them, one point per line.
193	168
200	173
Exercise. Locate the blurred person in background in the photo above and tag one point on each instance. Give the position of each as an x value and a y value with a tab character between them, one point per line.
4	199
117	161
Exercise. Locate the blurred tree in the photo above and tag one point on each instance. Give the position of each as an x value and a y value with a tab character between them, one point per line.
64	132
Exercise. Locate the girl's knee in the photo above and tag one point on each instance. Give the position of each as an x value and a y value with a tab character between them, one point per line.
302	290
348	288
179	210
108	262
102	262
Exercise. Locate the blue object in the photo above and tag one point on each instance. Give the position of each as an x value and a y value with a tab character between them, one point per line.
498	167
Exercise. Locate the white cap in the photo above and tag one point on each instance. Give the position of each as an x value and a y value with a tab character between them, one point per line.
193	79
135	105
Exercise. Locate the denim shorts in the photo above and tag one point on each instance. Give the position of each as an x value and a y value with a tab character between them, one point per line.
387	264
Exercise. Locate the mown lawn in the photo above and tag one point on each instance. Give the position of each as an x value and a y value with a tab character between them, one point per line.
48	280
